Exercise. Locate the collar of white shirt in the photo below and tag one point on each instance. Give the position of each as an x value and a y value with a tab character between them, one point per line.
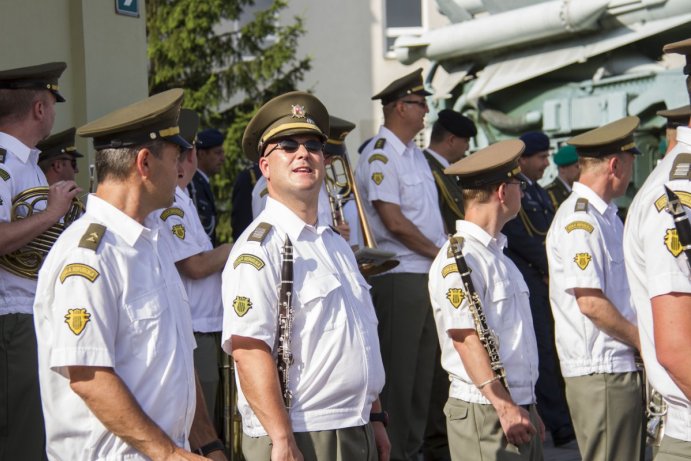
289	221
684	134
595	200
395	142
18	148
479	234
118	222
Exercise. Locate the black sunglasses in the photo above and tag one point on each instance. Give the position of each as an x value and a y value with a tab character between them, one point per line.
522	184
290	146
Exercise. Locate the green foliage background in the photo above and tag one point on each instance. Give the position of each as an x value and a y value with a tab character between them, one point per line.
226	76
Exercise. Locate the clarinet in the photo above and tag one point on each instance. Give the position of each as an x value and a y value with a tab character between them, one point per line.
487	336
285	321
681	223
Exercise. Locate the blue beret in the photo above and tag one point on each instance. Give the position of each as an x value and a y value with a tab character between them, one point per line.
535	141
456	124
209	138
566	155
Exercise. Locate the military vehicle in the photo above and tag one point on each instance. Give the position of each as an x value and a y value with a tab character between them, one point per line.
561	66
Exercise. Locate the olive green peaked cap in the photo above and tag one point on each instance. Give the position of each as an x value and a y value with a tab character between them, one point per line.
40	77
338	130
491	165
408	84
615	137
189	124
155	117
678	116
58	144
291	113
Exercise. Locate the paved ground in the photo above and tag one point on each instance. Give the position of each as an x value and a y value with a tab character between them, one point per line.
569	452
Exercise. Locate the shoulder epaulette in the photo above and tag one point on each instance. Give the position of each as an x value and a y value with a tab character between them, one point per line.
260	232
581	205
681	168
92	237
4	175
3	154
380	143
173	211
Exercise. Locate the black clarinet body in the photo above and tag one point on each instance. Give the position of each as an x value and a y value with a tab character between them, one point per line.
681	222
285	321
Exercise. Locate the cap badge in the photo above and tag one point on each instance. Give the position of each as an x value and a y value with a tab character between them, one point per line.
298	111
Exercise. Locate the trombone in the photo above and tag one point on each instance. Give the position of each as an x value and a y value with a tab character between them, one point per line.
341	187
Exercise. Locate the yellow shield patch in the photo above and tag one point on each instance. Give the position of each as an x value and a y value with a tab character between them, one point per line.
582	260
77	319
455	297
672	242
179	231
377	178
241	305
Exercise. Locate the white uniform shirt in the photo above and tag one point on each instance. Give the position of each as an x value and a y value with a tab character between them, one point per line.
398	173
19	171
656	266
337	371
504	297
260	193
584	250
184	234
134	319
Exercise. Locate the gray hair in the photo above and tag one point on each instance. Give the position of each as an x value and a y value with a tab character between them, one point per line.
16	104
116	163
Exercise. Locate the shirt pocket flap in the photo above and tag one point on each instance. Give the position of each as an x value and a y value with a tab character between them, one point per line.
456	412
315	288
411	179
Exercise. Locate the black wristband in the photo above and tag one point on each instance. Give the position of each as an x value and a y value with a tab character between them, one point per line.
210	447
381	417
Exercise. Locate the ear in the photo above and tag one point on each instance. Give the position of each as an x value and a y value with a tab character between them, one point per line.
614	165
142	163
501	192
264	166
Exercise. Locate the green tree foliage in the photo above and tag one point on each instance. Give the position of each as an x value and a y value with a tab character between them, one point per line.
227	73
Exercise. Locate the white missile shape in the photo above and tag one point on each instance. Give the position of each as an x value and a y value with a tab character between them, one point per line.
511	28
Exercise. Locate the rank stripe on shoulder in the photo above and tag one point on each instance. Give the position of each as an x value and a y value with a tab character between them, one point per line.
260	232
78	269
380	143
681	168
4	175
173	211
581	204
92	237
3	155
684	198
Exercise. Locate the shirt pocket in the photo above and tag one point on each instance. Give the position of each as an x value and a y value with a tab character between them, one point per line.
145	324
412	189
320	309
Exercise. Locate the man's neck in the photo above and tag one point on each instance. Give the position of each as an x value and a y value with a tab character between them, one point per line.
304	205
488	216
22	132
402	132
599	185
126	197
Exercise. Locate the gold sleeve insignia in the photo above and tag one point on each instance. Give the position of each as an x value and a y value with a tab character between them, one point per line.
449	269
4	175
241	305
455	297
174	211
377	178
684	198
178	231
378	157
78	269
672	242
582	260
252	260
77	319
579	225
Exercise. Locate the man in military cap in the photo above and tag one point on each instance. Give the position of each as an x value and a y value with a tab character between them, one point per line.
526	248
401	204
199	265
595	323
27	111
210	157
675	118
484	419
660	278
326	345
568	170
58	157
115	355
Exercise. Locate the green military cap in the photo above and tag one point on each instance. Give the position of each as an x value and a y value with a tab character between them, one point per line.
155	117
291	113
566	155
408	84
40	77
491	165
676	117
189	124
61	143
615	137
338	130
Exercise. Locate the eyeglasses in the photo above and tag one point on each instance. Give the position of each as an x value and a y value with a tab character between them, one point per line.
290	146
422	104
72	161
522	184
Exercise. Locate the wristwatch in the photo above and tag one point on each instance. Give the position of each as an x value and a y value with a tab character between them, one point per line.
380	417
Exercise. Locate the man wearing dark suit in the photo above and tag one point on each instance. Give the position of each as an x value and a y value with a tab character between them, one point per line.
210	156
526	247
566	160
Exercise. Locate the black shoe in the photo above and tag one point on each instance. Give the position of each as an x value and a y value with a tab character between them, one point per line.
563	435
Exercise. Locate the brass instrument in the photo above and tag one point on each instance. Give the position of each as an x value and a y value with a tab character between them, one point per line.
341	187
27	260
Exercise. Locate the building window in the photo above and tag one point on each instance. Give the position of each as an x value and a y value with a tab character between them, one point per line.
402	17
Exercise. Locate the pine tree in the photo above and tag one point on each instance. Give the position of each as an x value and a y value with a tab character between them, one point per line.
227	73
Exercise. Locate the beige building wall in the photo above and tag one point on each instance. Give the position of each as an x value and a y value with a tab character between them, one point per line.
105	55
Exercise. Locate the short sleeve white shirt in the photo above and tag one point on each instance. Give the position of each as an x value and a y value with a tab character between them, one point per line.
399	173
121	306
504	297
656	266
337	371
585	250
